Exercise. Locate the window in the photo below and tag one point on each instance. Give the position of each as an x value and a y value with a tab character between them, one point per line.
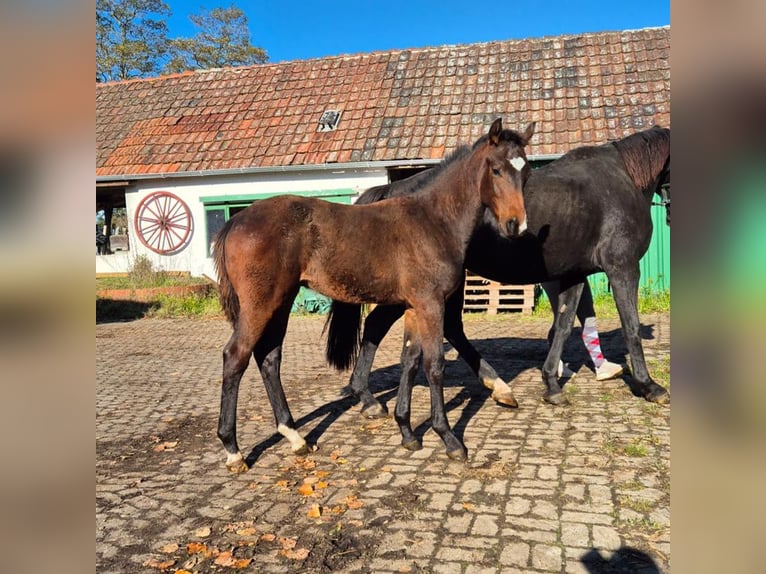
219	209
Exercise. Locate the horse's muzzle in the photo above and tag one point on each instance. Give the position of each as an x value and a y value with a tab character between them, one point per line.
513	229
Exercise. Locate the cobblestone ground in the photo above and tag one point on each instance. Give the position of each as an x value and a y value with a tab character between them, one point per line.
582	488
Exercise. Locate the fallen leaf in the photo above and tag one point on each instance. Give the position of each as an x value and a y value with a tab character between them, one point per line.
287	543
167	445
247	531
321	473
225	559
202	532
160	565
469	506
196	548
306	489
299	554
338	509
170	548
314	512
282	484
182	571
242	563
268	537
321	484
335	454
352	502
305	463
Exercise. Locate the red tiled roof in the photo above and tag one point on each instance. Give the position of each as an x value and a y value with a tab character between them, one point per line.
397	105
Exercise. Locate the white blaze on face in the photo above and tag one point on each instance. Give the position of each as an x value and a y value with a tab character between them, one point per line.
518	163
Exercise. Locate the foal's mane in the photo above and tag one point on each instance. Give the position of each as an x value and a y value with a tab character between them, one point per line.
413	183
645	154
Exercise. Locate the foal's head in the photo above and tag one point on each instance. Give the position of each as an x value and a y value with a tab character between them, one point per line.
506	171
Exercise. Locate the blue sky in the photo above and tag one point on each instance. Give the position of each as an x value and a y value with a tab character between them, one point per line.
309	29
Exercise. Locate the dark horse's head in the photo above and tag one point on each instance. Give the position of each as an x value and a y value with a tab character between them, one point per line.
504	177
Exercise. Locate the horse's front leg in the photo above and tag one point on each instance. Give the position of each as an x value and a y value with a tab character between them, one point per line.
376	326
430	323
410	359
455	334
564	310
625	290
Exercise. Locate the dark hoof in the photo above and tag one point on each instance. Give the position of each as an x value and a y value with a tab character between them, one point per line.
457	454
302	450
413	445
505	398
557	399
658	395
374	411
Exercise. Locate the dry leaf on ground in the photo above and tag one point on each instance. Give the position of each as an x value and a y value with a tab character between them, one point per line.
159	564
298	554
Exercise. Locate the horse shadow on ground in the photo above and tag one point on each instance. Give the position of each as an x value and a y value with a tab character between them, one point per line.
120	311
508	355
625	560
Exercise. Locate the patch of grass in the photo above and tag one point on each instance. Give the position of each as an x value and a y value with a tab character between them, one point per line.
634	484
603	303
189	306
636	504
142	275
643	524
659	369
636	450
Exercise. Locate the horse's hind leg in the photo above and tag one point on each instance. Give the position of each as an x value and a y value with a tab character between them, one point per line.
376	326
236	356
564	310
411	354
625	290
455	334
430	324
268	357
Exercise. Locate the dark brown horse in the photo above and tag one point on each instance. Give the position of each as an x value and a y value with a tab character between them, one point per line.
407	251
588	211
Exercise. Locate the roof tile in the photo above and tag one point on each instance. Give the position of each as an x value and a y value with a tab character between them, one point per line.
396	105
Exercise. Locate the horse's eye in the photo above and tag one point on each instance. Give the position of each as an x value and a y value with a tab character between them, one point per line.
495	171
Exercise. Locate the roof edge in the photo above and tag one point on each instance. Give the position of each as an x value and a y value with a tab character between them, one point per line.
288	168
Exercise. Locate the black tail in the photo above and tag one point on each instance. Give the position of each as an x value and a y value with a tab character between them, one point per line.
229	299
344	334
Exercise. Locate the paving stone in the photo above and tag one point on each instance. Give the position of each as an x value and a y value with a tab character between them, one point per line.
536	493
546	557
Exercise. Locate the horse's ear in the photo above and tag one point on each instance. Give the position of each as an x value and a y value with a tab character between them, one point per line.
494	131
529	132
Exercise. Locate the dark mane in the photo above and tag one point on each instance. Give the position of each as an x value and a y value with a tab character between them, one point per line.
645	154
411	184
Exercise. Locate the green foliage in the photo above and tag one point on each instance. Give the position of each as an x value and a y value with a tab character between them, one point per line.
649	302
131	38
223	39
195	306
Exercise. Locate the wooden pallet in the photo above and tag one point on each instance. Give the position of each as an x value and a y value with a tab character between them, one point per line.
491	297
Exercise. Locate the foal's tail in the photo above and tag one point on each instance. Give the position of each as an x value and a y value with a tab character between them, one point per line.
344	334
226	293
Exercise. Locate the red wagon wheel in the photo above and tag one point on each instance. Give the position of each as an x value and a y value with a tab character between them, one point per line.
163	222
